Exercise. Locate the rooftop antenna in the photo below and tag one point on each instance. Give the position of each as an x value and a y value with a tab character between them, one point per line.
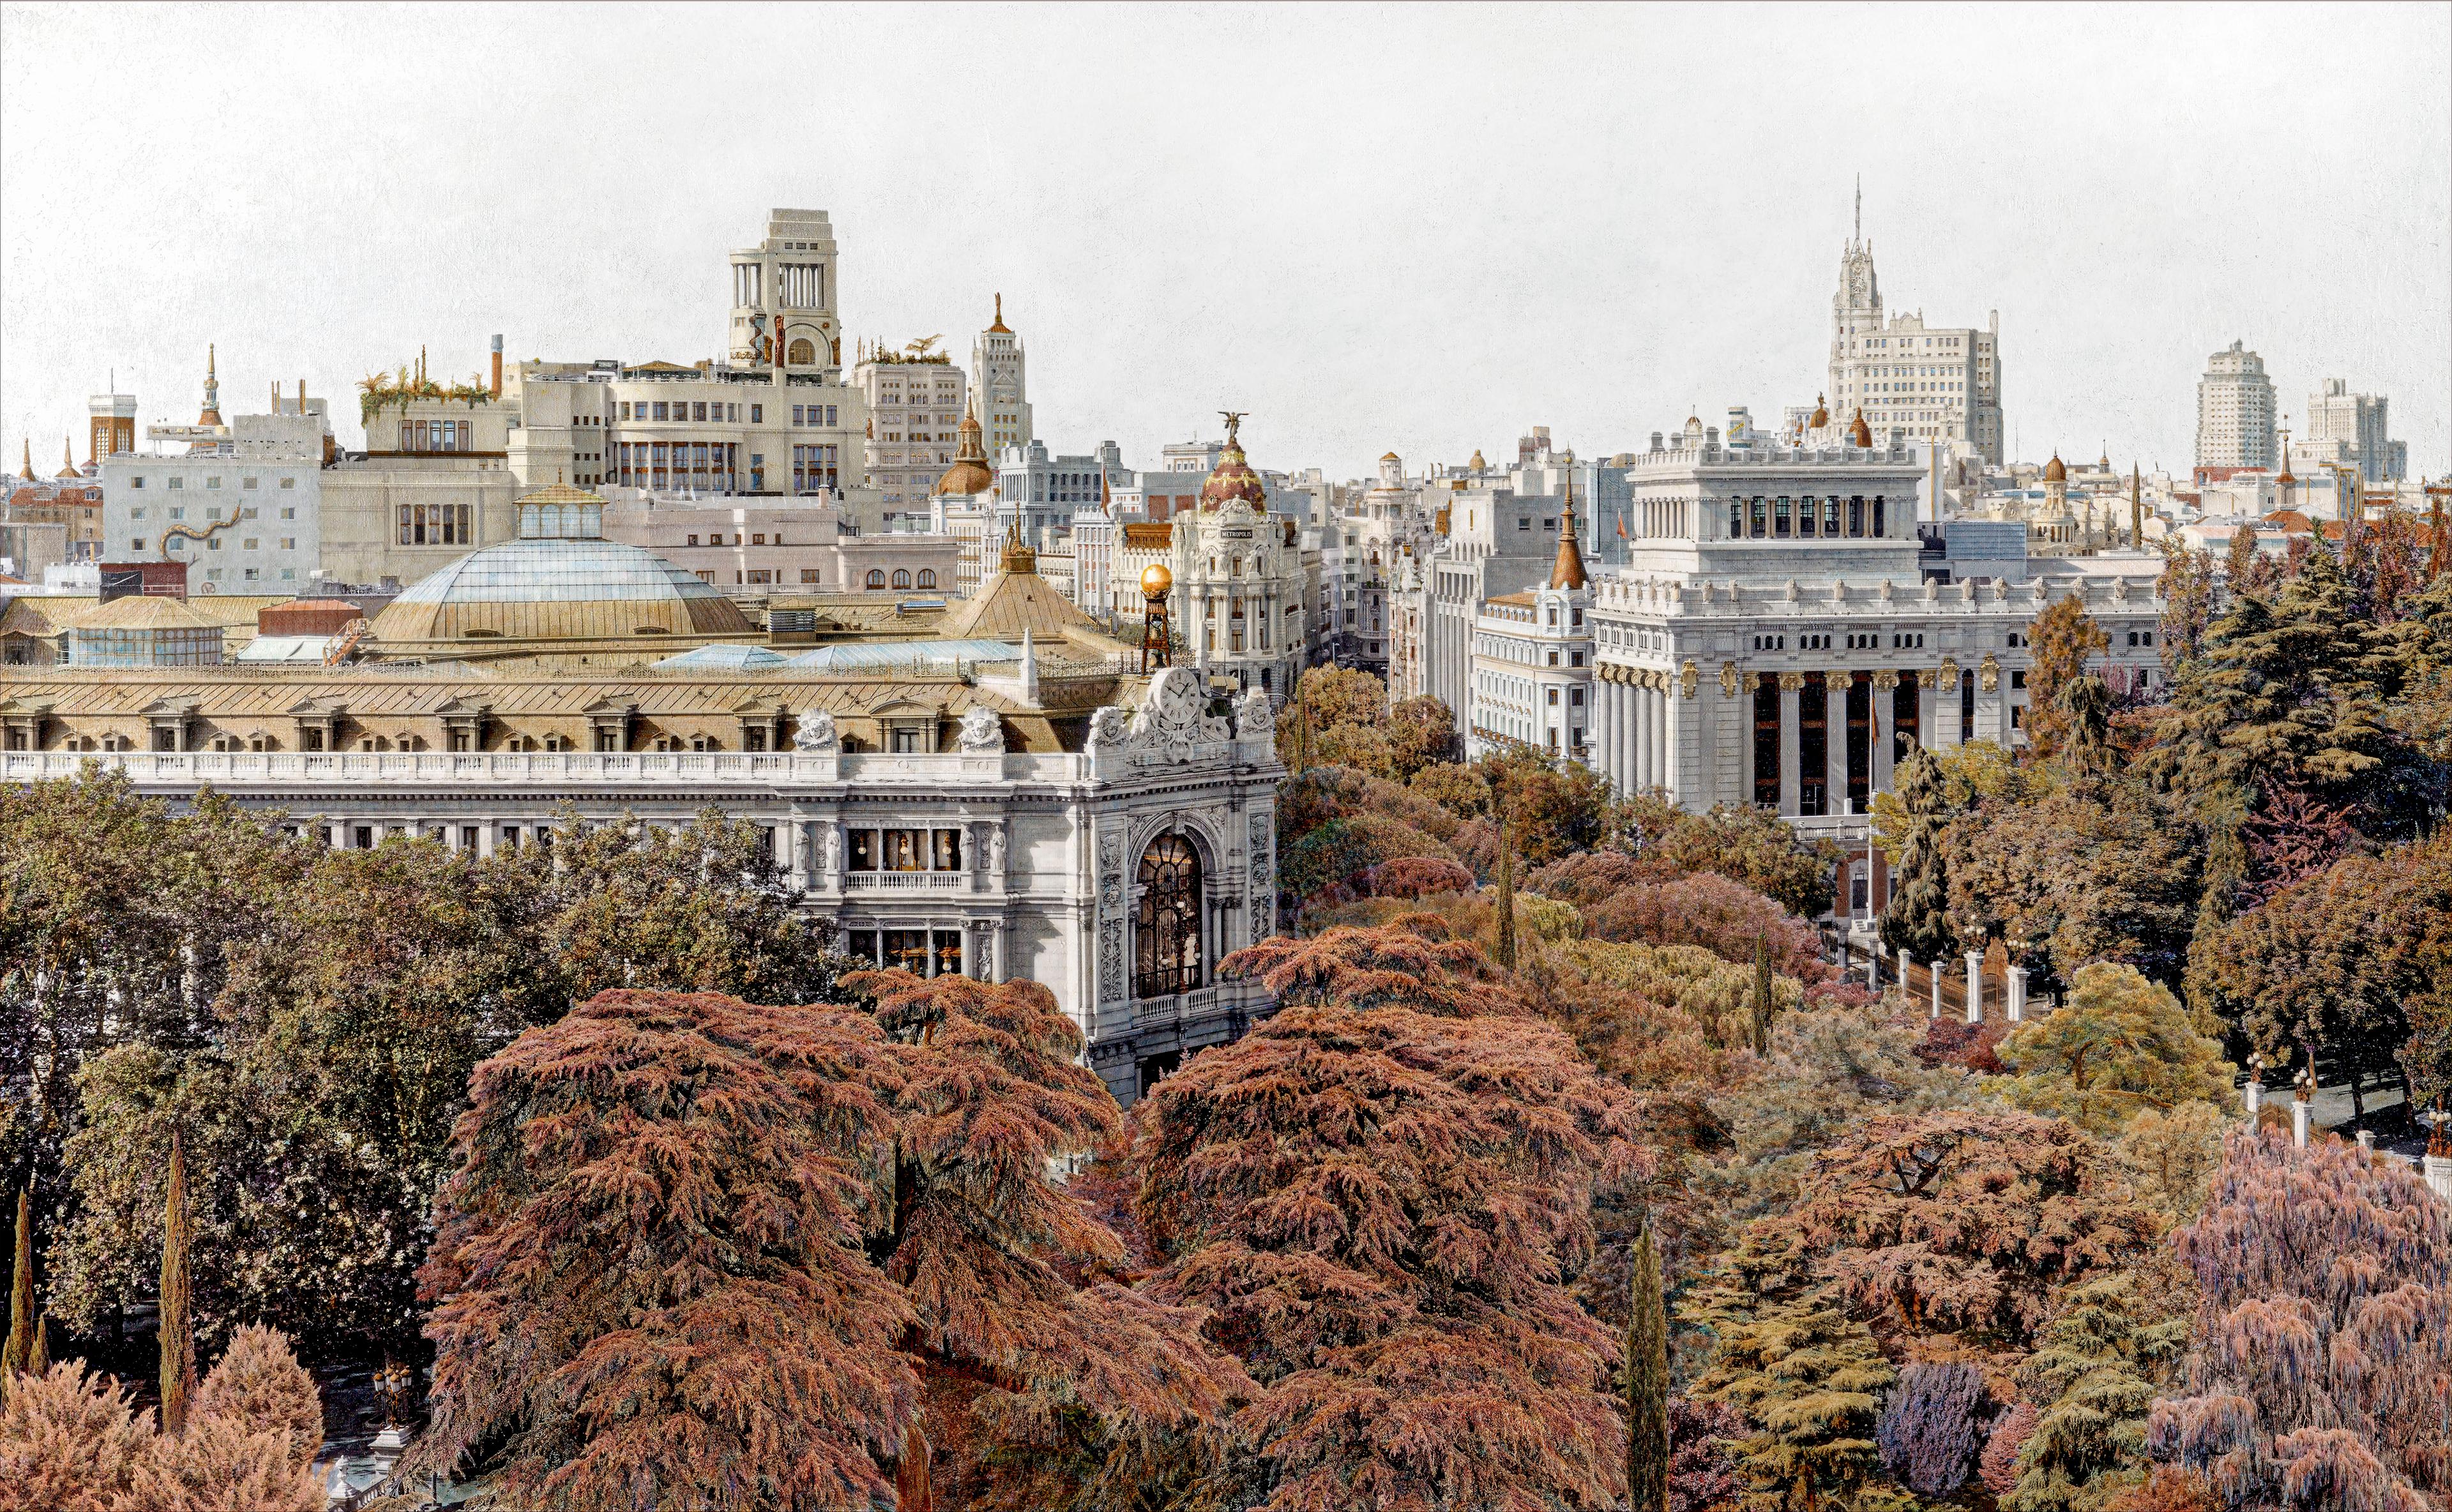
1860	206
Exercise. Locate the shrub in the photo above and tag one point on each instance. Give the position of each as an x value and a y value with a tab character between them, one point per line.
2010	1431
1724	917
1454	787
1416	876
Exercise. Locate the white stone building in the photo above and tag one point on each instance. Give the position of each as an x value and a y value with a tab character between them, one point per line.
2235	413
1531	676
1240	594
1000	385
239	503
915	416
2361	423
1935	383
1776	636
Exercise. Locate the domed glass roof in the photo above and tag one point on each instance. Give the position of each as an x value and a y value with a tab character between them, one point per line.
559	587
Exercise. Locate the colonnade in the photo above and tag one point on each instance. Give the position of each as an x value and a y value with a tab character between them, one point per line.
1636	727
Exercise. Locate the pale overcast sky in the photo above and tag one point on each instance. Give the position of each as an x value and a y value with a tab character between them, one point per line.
1372	226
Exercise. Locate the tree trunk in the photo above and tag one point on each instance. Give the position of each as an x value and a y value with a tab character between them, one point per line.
912	1492
178	1338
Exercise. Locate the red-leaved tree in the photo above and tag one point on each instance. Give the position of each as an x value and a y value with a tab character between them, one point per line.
1383	1196
649	1278
2320	1371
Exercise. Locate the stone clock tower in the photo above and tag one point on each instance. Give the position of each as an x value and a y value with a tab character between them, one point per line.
999	387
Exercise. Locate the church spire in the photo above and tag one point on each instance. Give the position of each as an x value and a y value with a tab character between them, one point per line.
1568	572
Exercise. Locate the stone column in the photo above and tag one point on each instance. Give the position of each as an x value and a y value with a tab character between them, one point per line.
1883	738
2251	1096
1935	971
1645	715
1975	987
1927	706
1790	754
2299	1122
1676	711
1834	742
1627	757
2439	1175
2017	976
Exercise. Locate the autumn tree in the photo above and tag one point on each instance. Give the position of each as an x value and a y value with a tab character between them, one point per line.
735	1347
2061	641
1727	918
1093	1386
175	1330
2120	1045
1384	1208
1955	1222
1548	807
2351	959
2322	1348
18	1354
1422	734
2186	592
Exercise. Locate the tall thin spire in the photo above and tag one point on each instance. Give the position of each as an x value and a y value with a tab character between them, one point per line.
1859	208
1568	571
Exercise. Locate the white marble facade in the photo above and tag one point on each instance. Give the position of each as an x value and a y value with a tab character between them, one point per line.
996	865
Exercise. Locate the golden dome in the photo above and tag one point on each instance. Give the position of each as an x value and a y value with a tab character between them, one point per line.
2056	471
1155	581
1233	478
1821	415
1860	434
970	473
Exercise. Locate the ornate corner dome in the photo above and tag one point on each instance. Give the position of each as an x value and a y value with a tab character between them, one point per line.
560	581
1860	434
970	473
2056	471
1233	478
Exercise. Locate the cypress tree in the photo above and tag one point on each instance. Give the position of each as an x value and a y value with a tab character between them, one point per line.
1646	1385
20	1297
19	1351
39	1361
177	1335
1505	952
1762	996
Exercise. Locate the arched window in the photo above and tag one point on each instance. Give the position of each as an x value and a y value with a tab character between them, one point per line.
877	576
901	578
1166	924
927	577
800	354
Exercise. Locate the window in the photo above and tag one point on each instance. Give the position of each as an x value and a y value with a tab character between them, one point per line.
877	576
1166	921
901	578
927	578
287	483
178	483
692	540
757	414
809	574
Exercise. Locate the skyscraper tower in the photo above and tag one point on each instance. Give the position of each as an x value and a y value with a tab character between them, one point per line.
110	423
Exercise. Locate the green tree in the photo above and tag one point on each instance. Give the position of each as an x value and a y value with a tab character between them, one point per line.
2099	871
2122	1045
2098	1364
1917	917
1422	734
1548	808
1741	843
1809	1379
2061	641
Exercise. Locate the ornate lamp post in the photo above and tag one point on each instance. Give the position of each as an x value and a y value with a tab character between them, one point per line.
1156	623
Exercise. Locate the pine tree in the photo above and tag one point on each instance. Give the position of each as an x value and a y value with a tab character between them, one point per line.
20	1348
1646	1385
1812	1377
177	1329
1917	919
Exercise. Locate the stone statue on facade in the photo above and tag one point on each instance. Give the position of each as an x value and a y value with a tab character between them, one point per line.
815	733
982	733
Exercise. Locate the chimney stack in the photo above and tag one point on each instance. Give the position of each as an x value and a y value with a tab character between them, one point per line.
498	365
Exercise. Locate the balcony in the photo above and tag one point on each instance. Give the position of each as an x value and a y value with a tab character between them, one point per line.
906	881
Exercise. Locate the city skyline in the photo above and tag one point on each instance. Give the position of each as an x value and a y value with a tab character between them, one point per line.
1165	259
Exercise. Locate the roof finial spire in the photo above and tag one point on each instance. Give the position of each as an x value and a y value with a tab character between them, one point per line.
1860	206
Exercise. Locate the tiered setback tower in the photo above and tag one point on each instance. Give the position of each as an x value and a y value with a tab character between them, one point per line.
787	278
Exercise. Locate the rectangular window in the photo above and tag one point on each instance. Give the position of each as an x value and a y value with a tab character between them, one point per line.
289	483
178	483
809	574
863	849
830	414
757	414
700	411
661	407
